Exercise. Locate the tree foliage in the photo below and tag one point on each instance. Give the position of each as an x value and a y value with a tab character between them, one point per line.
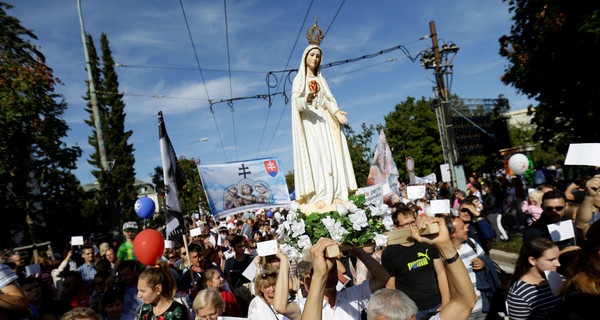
191	196
360	151
39	192
551	50
411	130
117	192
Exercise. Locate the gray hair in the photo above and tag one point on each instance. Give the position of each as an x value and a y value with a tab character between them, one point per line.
392	305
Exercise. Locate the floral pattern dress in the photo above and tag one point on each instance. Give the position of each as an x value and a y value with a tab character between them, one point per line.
176	311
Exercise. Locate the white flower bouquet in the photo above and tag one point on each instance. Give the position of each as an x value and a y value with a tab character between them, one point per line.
354	224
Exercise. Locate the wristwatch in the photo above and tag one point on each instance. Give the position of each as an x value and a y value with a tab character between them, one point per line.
453	259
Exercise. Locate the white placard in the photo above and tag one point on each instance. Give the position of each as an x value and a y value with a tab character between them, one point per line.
196	216
584	154
440	206
77	241
213	241
415	192
168	244
250	271
33	269
445	170
555	281
373	194
561	230
195	232
266	248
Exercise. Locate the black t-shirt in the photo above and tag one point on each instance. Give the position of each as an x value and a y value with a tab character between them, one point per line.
414	271
236	270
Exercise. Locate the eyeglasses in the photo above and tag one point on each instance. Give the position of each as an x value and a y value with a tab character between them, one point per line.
406	225
98	283
559	208
267	275
465	210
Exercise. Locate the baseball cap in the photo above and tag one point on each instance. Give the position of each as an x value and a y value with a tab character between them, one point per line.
130	225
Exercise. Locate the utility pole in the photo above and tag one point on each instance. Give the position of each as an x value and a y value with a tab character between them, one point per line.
448	138
94	99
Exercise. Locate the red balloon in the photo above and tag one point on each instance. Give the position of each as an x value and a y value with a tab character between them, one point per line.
148	246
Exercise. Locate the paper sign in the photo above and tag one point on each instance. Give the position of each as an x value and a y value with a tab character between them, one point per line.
250	271
213	241
168	244
561	230
77	241
445	170
373	194
415	192
196	216
555	281
195	232
585	154
33	269
266	248
440	206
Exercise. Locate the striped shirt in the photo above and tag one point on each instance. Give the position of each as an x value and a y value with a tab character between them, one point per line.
528	301
467	254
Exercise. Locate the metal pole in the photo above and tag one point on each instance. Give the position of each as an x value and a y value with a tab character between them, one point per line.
97	121
444	104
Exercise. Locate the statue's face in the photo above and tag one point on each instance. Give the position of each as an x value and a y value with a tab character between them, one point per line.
313	59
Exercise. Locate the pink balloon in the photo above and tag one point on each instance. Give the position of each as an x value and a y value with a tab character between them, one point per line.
148	246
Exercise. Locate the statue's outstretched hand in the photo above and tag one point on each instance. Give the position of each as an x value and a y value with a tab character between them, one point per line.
341	116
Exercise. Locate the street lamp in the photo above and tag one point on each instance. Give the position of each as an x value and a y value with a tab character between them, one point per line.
189	145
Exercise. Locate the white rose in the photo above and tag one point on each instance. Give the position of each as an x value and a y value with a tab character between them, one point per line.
388	223
297	228
338	231
359	220
380	240
291	216
294	206
289	251
304	242
351	206
341	209
328	222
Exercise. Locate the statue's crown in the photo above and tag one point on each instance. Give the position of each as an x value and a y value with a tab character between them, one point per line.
314	34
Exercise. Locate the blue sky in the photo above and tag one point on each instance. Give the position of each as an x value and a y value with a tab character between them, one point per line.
261	35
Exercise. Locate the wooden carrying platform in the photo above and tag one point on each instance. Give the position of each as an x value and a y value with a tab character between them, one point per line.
394	237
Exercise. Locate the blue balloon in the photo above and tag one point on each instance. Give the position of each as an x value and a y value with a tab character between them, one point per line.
269	213
144	207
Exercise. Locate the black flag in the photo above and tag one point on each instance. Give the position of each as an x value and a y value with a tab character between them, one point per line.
174	180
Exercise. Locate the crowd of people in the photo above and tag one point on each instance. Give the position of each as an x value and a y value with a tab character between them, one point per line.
450	276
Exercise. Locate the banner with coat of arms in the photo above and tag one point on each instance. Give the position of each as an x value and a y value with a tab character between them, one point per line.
240	186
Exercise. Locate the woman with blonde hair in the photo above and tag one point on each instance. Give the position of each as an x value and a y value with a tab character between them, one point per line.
208	304
261	307
156	287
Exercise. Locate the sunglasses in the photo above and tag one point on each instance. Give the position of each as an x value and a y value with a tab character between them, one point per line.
559	208
98	283
130	230
267	275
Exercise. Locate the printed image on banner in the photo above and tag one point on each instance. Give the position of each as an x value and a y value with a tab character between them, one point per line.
240	186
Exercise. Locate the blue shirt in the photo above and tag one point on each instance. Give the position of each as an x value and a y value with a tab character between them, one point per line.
88	272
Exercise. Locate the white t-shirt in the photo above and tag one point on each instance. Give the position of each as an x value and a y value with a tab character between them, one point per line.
467	254
349	303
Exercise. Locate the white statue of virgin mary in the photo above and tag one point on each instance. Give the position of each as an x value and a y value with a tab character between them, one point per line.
323	173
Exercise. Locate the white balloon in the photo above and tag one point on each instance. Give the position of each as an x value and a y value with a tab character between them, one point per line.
277	216
518	163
